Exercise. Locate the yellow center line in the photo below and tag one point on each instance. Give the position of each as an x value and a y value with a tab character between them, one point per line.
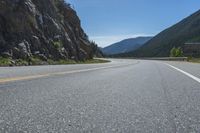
12	79
5	80
21	78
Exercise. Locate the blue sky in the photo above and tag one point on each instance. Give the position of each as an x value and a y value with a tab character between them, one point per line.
109	21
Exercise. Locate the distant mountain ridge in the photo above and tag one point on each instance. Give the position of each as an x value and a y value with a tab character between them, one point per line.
187	30
125	46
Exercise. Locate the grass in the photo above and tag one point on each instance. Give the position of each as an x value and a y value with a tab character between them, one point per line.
60	62
38	61
65	62
5	61
92	61
21	62
10	62
194	60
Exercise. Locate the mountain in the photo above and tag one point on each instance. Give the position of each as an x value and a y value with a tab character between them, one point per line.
187	30
47	29
125	46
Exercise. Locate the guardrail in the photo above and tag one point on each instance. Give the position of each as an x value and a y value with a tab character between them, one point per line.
167	58
157	58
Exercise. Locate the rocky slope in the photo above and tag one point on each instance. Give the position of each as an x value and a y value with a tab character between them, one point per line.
187	30
47	29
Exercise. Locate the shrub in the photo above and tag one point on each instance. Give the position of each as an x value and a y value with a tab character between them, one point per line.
58	44
5	61
176	52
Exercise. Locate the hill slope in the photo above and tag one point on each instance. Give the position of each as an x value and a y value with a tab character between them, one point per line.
186	30
125	46
48	29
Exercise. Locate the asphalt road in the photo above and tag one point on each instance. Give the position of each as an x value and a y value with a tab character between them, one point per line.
124	96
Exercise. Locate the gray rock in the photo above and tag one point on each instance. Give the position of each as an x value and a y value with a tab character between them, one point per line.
6	54
16	53
36	53
30	6
57	37
24	48
35	25
82	55
42	57
36	44
1	121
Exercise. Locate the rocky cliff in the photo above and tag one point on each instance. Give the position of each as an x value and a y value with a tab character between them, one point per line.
47	29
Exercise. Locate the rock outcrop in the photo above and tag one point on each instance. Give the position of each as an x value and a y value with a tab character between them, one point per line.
42	28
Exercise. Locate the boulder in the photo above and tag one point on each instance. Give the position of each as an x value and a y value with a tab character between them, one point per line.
36	44
22	50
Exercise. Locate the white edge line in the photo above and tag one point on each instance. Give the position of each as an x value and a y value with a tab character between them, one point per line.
186	73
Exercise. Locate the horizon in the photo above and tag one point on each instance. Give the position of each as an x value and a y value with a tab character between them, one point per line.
54	78
115	21
128	39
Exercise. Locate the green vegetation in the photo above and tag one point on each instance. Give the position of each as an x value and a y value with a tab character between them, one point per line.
176	52
185	31
38	61
9	62
35	61
5	61
64	62
194	60
21	62
58	44
96	52
94	61
195	39
60	62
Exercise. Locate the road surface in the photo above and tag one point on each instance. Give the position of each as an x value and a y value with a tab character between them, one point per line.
124	96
